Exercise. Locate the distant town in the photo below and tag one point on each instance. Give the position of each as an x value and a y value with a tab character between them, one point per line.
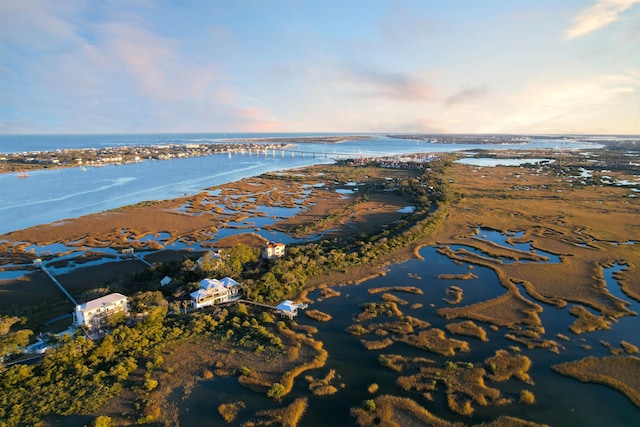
21	162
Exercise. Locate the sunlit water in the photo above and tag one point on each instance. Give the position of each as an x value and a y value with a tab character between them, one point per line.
52	195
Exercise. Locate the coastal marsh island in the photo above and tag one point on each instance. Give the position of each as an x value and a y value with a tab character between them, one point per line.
440	293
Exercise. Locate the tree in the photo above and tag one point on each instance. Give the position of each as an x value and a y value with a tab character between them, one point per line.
234	259
14	341
210	262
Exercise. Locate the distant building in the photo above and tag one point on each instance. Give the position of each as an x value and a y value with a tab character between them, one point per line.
93	314
165	281
273	250
127	253
214	291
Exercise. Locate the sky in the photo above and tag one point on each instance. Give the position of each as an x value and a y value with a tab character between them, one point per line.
422	66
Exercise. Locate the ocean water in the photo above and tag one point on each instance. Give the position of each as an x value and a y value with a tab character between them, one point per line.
53	195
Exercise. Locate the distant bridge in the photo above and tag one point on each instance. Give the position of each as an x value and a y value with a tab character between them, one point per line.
282	152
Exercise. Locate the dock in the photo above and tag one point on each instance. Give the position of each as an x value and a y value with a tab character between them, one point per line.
59	285
287	308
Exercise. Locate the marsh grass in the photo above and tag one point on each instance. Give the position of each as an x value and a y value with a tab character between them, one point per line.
229	411
372	310
586	321
629	348
506	310
527	397
393	298
394	411
466	276
289	416
468	328
455	295
327	292
318	315
621	373
399	363
378	344
318	360
322	386
504	365
435	341
408	289
463	382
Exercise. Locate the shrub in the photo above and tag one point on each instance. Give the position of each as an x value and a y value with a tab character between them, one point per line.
369	405
276	391
150	384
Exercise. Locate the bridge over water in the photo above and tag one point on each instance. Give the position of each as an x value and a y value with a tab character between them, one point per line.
273	152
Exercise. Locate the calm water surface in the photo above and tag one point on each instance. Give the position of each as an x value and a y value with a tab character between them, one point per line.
560	401
52	195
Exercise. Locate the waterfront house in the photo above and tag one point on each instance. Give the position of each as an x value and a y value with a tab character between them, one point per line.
214	291
93	314
289	309
273	250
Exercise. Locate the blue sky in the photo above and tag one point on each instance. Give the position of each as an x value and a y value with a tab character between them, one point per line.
472	66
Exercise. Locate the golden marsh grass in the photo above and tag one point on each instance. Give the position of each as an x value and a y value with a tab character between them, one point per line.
318	315
504	365
586	321
435	341
468	328
621	373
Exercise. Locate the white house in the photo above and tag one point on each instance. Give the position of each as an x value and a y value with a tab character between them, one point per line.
273	250
93	313
289	308
214	291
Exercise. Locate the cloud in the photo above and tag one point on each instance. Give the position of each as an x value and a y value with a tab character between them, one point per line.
467	95
598	104
597	16
372	82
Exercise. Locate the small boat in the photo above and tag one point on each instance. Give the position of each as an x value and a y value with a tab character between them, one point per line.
23	175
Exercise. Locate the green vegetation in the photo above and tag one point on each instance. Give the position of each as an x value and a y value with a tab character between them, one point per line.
288	275
80	375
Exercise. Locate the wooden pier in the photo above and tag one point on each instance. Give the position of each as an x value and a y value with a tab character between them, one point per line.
42	267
